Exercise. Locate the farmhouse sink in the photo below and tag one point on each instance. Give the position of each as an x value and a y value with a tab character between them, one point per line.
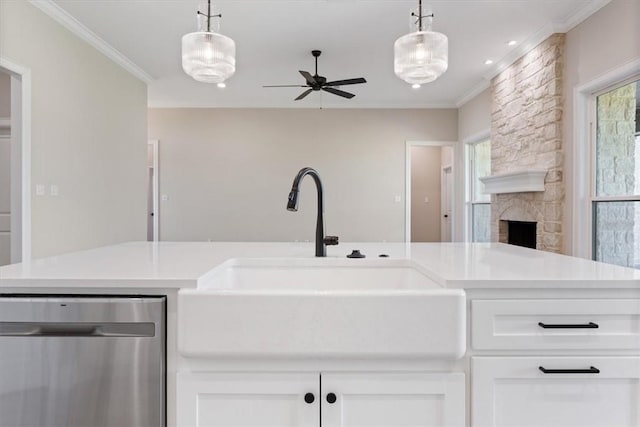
321	308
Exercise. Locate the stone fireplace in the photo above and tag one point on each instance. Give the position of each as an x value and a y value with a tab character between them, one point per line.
518	209
526	135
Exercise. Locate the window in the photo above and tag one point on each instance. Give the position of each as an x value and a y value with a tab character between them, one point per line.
479	204
616	193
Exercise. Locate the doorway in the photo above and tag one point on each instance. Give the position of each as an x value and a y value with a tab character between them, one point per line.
152	191
5	169
15	163
430	191
446	197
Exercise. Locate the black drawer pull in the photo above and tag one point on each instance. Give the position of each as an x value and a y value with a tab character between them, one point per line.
309	398
591	370
589	325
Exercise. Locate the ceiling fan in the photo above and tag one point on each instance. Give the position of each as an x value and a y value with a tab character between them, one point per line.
317	82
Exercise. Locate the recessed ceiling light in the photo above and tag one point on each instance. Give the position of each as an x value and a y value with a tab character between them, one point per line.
222	85
512	43
488	62
415	86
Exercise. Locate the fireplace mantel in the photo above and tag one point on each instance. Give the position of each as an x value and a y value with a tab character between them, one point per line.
515	182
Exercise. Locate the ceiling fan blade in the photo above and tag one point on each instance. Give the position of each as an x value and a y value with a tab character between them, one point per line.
338	92
309	78
346	82
303	94
286	86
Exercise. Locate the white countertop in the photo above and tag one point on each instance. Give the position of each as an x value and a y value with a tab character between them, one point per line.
185	264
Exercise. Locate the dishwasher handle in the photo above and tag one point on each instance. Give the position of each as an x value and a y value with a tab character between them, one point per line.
77	329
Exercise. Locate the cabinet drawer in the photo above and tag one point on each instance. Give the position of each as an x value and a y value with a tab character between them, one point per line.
513	391
555	324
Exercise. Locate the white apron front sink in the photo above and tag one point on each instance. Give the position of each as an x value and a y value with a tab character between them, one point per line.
321	308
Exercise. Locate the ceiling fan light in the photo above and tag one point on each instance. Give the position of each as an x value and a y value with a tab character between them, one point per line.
208	57
421	57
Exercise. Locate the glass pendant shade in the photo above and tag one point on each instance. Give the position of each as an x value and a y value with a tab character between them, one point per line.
421	57
208	57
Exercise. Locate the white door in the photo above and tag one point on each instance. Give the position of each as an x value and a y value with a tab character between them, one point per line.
153	220
5	200
248	400
574	392
150	213
446	203
393	400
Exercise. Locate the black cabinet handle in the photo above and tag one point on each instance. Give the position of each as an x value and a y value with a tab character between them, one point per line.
309	398
591	370
589	325
331	398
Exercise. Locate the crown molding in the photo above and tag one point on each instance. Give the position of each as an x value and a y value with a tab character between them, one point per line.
518	52
523	48
534	40
582	14
65	19
289	105
472	93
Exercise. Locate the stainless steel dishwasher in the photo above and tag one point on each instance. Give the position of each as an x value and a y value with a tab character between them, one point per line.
82	361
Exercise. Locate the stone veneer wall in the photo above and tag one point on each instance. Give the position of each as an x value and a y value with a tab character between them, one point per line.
526	133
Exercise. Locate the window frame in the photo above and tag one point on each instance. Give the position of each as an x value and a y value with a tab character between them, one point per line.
470	186
593	198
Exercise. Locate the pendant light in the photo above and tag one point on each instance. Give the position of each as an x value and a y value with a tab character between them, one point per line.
208	56
422	56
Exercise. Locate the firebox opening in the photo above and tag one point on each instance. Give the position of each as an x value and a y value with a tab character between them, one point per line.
522	233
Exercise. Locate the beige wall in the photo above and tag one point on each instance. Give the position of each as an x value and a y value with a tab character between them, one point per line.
88	135
227	172
607	40
426	168
474	117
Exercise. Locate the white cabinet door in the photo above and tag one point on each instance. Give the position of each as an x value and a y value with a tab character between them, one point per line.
393	400
514	392
248	400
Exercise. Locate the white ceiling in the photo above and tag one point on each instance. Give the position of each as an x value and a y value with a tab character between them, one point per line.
274	39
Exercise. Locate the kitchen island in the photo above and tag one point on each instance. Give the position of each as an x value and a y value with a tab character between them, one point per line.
171	265
529	336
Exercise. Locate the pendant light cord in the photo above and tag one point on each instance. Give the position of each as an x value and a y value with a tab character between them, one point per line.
420	16
209	15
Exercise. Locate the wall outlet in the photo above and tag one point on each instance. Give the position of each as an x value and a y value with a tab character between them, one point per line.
398	199
164	197
426	199
54	190
40	189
